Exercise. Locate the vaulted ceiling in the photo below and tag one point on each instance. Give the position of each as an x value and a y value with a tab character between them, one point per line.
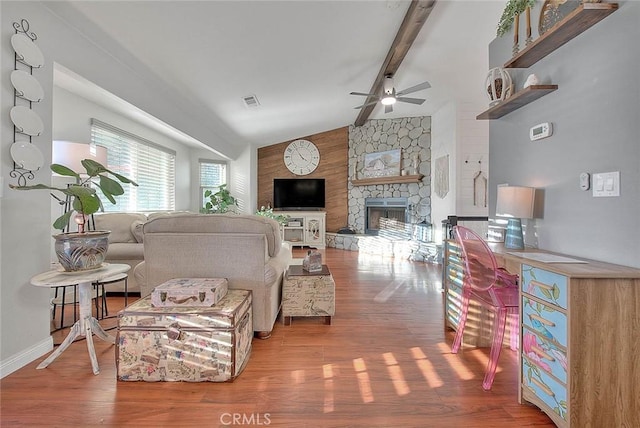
301	59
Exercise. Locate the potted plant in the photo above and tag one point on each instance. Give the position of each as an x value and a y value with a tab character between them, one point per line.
268	212
219	202
511	10
82	250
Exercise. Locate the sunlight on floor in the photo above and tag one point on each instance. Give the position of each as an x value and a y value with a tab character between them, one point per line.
298	376
395	372
425	366
329	401
462	372
364	383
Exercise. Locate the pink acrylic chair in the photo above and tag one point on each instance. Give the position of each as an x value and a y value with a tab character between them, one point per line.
490	286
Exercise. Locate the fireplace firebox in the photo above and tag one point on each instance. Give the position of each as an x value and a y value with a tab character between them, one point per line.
385	211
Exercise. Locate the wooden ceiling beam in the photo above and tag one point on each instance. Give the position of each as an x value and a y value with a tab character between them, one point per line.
416	16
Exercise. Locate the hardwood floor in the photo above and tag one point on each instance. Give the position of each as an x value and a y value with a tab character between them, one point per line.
385	362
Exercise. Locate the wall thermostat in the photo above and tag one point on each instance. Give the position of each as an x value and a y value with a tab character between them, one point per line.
541	131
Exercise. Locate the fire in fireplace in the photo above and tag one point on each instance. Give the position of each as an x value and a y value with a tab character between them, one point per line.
385	212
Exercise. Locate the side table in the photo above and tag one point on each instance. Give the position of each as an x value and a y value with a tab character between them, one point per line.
308	294
87	324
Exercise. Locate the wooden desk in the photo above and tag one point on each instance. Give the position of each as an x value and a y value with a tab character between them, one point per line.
580	354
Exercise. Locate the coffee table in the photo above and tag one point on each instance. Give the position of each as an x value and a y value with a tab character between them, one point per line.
308	294
87	324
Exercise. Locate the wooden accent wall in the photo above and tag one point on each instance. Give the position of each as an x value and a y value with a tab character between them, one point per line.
333	167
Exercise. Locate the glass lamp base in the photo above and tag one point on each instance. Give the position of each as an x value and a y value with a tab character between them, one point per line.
514	240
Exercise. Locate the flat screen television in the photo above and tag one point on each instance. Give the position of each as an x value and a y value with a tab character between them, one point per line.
298	193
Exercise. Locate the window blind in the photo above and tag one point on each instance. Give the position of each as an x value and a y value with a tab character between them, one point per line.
145	162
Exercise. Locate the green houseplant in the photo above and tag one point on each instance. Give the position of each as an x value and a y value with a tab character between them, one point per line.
268	212
82	250
219	202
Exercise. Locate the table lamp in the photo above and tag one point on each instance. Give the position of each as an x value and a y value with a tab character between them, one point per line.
71	154
516	203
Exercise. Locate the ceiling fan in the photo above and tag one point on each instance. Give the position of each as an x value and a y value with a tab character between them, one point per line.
389	95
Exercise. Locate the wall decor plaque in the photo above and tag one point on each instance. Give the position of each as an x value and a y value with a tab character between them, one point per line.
382	164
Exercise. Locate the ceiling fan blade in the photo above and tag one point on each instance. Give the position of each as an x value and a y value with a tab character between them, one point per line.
367	104
363	94
410	100
421	86
388	108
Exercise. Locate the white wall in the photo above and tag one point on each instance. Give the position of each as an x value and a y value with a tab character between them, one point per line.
444	142
72	122
25	217
244	179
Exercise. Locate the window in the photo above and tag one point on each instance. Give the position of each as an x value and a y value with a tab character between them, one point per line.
213	174
148	164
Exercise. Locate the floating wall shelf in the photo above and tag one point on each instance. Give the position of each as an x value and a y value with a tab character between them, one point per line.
516	101
388	180
572	25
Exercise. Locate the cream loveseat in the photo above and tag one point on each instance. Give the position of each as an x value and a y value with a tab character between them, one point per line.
125	241
246	249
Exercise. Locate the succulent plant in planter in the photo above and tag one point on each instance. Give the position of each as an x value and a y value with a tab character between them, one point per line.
82	250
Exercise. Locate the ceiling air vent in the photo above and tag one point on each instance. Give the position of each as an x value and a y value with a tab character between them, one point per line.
251	101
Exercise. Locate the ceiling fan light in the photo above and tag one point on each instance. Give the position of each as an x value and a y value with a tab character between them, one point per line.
388	100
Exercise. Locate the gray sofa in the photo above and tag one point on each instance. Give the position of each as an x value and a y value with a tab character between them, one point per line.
246	249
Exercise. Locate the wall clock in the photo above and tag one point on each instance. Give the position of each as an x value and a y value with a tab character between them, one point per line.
301	157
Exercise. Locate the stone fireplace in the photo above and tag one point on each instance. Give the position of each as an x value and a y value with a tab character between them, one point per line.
411	135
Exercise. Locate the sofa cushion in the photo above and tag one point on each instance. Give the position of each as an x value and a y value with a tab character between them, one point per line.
119	224
220	223
125	251
136	230
158	214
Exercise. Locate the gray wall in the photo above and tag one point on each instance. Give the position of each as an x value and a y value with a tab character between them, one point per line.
596	118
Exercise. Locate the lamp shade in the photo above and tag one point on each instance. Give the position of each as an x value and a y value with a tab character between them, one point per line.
71	154
515	201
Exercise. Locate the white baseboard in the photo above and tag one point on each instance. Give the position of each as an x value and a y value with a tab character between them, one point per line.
23	358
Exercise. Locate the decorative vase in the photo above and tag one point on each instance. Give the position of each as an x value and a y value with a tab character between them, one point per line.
81	251
498	84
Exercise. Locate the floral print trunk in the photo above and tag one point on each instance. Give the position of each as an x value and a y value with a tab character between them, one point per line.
192	344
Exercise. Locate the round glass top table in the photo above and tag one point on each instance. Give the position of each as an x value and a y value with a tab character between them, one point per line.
87	325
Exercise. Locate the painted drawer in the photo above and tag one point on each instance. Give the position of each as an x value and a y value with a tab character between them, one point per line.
543	386
548	322
544	354
548	286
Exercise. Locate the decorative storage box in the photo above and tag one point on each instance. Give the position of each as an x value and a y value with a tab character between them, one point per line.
189	292
192	344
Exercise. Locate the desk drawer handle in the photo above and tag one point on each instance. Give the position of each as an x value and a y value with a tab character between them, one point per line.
541	285
540	352
543	387
542	320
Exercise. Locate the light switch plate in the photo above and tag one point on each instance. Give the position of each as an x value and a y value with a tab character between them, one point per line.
606	184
